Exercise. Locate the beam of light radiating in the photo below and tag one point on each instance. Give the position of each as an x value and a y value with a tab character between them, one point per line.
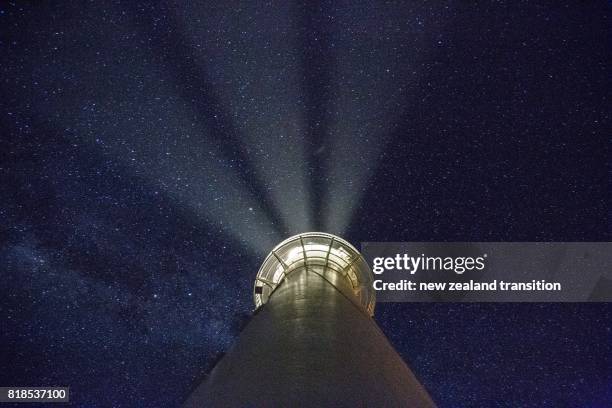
189	168
255	70
163	140
378	67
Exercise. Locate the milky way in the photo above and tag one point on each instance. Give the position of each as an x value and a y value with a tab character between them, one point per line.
153	153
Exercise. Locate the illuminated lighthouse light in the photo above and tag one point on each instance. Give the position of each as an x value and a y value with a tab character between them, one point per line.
324	254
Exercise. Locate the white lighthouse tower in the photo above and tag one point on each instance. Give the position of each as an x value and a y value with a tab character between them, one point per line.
312	340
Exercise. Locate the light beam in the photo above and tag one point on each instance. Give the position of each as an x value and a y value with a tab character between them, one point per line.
254	67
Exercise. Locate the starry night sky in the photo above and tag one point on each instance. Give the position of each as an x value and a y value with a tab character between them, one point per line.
152	153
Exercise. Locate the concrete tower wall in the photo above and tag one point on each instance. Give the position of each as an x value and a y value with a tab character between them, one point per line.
311	344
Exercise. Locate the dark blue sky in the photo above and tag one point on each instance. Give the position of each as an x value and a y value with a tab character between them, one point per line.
152	154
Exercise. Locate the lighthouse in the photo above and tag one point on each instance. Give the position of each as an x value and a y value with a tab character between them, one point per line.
312	339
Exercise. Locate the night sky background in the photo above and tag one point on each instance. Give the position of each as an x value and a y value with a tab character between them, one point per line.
152	153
